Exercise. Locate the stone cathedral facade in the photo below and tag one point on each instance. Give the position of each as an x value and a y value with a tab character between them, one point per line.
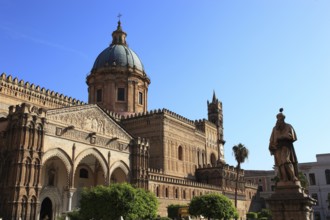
52	146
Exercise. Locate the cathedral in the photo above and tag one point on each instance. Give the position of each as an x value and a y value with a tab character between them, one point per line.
52	146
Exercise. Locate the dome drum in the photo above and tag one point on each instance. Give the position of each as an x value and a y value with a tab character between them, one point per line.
117	81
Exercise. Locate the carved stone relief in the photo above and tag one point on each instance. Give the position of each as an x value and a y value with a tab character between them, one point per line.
88	118
85	137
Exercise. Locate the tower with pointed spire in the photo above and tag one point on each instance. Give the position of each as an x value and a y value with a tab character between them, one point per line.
214	112
117	81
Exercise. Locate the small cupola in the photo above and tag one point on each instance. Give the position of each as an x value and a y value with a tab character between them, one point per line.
119	36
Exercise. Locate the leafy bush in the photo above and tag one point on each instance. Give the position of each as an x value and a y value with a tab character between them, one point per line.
251	215
213	205
111	202
74	215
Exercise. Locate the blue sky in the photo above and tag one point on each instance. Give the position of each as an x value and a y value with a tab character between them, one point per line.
256	55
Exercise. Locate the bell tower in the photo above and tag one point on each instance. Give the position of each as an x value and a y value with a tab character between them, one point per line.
117	81
214	110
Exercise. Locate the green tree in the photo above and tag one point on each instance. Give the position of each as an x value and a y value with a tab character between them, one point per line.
111	202
212	205
173	210
303	180
241	153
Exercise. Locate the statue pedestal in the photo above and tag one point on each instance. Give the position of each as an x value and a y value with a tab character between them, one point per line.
289	202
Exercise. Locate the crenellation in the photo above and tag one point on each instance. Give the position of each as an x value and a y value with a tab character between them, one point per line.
33	93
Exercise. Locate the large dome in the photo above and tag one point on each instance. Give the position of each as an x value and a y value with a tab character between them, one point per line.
118	55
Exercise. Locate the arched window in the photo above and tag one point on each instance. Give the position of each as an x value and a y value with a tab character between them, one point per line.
203	160
213	160
198	159
166	192
83	173
327	176
180	153
176	193
157	191
33	207
24	207
184	194
140	98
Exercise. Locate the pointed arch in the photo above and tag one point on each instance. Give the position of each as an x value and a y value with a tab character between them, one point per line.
57	152
94	152
120	164
54	195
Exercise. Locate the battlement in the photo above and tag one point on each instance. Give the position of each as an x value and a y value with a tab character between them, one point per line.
159	176
21	91
159	111
114	115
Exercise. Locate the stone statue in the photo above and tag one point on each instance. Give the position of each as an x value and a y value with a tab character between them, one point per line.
281	146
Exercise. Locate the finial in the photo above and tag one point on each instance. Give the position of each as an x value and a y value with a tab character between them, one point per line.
281	110
119	23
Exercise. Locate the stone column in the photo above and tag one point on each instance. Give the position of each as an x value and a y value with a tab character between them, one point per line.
69	196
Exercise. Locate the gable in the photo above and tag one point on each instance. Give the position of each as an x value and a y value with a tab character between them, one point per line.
89	118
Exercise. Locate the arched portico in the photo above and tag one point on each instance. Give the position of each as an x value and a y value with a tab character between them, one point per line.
90	169
96	154
119	172
55	181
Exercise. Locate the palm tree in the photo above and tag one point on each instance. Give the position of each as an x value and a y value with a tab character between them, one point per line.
241	153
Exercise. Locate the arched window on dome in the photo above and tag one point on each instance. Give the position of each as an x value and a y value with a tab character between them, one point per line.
121	94
180	153
140	98
99	95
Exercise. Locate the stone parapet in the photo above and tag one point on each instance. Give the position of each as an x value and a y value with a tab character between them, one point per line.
16	91
158	176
